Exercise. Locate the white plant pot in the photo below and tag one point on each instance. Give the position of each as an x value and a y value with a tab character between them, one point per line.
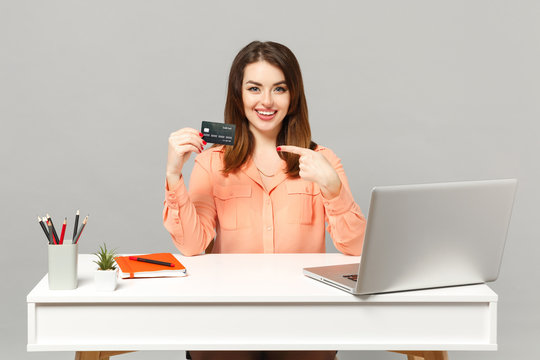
105	280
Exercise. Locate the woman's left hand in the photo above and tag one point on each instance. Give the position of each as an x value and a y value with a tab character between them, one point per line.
315	167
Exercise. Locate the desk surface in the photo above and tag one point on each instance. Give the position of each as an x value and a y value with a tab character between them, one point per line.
255	301
243	278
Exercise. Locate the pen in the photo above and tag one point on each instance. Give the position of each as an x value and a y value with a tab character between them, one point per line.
63	231
44	229
75	226
151	261
76	240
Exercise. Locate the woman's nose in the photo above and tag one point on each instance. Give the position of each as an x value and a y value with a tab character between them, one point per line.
267	100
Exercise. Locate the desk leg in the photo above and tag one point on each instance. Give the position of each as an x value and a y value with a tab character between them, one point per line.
97	355
424	355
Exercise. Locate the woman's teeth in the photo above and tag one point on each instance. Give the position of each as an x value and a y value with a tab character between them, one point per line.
267	113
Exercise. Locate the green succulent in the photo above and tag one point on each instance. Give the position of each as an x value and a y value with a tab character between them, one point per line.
105	258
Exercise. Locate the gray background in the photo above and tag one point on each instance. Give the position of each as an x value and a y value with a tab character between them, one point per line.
403	91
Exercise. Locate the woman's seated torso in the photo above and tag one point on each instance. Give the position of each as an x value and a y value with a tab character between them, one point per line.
282	216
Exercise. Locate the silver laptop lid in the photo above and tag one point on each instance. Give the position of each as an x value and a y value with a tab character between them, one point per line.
433	235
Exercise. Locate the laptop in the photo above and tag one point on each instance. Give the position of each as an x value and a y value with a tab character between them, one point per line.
428	236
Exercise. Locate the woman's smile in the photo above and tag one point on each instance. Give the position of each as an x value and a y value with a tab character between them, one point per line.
266	114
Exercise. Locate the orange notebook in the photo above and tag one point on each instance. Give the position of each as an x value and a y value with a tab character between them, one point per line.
138	269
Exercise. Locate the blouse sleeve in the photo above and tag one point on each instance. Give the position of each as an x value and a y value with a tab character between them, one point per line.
190	217
346	223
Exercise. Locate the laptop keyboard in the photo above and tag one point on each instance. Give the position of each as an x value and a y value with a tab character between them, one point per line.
353	277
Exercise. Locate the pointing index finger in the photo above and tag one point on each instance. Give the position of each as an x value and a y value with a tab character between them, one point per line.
293	149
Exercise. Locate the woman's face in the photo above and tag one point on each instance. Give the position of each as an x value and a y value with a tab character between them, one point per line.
266	97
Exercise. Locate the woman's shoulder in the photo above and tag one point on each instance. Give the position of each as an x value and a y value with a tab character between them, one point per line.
325	151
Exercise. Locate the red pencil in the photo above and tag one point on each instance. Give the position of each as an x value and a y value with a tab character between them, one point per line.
63	231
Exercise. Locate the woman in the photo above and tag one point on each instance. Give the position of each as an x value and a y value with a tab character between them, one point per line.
273	190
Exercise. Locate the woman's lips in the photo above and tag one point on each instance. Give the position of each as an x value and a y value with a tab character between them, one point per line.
266	114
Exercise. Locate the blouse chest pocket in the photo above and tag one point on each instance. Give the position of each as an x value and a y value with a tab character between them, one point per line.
301	201
232	206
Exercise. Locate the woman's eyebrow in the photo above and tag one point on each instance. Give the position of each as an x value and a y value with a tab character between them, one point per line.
282	82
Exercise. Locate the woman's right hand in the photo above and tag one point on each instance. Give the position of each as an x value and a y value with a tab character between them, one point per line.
181	144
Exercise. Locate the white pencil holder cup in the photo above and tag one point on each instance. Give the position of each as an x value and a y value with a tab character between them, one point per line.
63	266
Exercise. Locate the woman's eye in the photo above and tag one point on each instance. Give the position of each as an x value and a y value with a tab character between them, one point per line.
253	88
280	89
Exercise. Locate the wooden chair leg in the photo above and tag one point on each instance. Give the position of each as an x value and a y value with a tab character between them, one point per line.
87	355
435	355
412	355
104	355
424	355
97	355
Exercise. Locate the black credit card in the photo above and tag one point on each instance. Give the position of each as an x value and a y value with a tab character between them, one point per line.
218	133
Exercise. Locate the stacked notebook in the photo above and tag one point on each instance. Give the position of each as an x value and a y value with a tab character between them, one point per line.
138	269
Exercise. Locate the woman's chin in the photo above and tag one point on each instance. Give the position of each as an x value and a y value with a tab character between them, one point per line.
266	127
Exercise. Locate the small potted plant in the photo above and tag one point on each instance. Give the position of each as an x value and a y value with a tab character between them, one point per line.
106	274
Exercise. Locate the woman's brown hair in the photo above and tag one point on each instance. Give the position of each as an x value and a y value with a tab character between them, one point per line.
295	128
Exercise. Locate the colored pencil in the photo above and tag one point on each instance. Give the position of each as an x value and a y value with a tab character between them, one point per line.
52	241
76	233
80	230
63	231
75	226
44	229
56	238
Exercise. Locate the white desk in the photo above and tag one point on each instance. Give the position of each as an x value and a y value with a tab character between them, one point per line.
255	302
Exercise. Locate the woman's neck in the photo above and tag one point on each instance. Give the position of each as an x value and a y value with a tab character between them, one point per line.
264	142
